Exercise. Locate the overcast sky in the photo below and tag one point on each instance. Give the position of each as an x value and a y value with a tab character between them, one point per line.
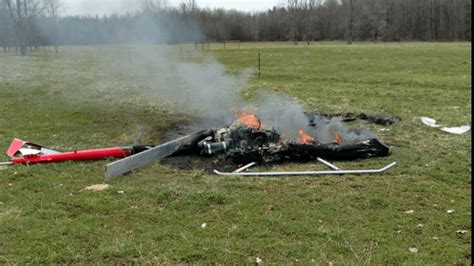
100	7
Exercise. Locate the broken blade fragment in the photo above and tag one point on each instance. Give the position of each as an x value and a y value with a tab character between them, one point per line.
141	159
4	165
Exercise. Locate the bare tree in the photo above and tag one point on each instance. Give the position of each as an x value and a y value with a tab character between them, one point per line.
295	20
53	8
153	5
350	23
293	6
372	11
188	7
22	13
4	28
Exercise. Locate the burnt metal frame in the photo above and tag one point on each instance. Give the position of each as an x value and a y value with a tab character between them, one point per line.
336	171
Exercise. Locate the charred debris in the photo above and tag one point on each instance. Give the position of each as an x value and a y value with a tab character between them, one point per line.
248	140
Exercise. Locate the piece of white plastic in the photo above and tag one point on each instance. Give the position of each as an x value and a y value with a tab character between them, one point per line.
429	122
456	130
453	130
98	187
413	249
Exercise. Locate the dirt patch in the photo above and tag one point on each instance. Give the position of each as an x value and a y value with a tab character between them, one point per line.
193	162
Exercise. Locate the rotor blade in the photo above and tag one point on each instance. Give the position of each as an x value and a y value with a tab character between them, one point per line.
141	159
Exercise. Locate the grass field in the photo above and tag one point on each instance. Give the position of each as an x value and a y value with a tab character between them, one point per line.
76	102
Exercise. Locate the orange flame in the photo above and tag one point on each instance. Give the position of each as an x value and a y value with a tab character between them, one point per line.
248	119
338	139
304	138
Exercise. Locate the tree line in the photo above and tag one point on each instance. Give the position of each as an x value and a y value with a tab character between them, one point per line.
32	23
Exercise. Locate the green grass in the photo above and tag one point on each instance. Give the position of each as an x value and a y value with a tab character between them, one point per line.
75	102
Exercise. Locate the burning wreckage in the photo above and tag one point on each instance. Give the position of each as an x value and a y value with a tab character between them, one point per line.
245	142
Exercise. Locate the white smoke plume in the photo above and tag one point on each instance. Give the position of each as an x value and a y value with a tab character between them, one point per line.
288	116
197	84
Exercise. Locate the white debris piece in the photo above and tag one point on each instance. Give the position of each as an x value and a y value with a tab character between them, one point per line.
462	232
204	225
413	250
258	260
457	130
98	187
420	225
120	191
429	122
450	211
409	211
453	130
435	238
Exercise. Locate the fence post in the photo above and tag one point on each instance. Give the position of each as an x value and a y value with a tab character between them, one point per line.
259	65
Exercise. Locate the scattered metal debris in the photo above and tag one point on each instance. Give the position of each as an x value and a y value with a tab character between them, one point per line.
246	142
245	167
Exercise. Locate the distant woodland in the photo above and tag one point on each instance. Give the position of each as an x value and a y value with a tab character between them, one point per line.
33	23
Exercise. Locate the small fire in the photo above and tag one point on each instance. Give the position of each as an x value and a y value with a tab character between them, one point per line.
338	139
304	138
249	119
